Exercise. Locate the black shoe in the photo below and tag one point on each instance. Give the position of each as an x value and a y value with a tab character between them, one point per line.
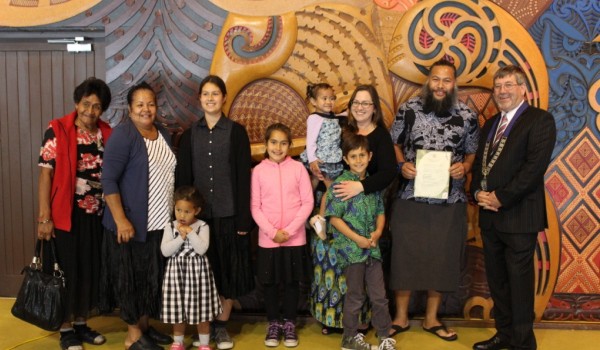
158	337
69	340
494	343
144	343
88	335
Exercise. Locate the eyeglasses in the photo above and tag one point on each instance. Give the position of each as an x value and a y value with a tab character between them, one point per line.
506	86
364	104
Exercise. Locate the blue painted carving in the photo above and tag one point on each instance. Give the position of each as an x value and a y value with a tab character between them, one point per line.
169	44
565	34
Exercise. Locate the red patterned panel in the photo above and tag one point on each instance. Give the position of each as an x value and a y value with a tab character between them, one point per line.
584	160
572	181
581	226
560	193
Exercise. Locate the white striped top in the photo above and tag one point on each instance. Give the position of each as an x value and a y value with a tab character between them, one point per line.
161	182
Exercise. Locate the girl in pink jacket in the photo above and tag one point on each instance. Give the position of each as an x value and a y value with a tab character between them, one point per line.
281	201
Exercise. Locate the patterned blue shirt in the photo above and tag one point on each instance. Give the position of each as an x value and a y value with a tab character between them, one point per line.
456	131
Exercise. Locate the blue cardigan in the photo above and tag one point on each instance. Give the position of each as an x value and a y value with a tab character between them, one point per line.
125	171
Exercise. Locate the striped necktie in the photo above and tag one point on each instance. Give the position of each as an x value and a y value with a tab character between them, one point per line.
500	131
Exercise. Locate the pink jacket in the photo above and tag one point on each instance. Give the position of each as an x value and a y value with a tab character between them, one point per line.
281	198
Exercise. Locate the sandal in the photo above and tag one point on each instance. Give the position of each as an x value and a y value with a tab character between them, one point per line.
434	330
70	341
144	343
88	335
325	330
399	329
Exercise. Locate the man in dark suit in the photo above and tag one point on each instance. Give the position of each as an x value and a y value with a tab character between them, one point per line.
508	183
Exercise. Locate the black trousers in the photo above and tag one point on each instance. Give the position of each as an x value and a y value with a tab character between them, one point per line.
274	303
510	275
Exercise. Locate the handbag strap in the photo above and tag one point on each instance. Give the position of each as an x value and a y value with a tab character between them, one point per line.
36	263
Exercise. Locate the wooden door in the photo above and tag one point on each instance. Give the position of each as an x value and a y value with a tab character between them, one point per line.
37	80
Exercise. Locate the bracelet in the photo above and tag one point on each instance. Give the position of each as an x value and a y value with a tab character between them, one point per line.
44	222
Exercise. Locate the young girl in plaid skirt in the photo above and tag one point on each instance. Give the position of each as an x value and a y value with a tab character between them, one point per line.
190	294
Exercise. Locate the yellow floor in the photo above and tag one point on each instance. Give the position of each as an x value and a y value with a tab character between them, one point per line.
248	334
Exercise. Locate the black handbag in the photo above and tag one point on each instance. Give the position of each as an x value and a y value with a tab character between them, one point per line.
42	295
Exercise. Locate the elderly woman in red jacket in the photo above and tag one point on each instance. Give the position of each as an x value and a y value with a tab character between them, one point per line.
70	204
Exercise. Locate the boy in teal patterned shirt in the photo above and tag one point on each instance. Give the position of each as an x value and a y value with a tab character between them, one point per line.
357	225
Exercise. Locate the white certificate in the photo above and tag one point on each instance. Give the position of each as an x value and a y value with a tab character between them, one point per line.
433	174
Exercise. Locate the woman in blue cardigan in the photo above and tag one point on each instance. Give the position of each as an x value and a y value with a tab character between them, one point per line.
138	180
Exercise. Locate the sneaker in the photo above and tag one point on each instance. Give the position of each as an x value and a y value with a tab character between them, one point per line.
387	344
290	339
356	343
204	347
177	346
223	339
273	334
318	224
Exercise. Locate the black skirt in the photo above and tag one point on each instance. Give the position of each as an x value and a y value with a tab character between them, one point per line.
131	276
428	242
283	265
229	257
78	254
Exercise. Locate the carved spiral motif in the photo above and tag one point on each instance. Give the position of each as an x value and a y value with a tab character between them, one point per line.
464	33
239	47
478	36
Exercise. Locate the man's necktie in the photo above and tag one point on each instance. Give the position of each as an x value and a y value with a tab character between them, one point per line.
500	131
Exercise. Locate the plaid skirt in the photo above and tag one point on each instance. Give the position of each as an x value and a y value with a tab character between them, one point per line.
189	291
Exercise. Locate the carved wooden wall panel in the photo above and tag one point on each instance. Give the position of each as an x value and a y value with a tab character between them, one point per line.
169	44
23	13
323	43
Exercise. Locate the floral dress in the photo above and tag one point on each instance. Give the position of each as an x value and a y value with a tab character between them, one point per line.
90	148
328	287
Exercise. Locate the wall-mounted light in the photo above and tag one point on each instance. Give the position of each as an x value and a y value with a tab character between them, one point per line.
76	44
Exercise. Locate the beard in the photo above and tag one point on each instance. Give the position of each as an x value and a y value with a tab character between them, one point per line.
439	107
